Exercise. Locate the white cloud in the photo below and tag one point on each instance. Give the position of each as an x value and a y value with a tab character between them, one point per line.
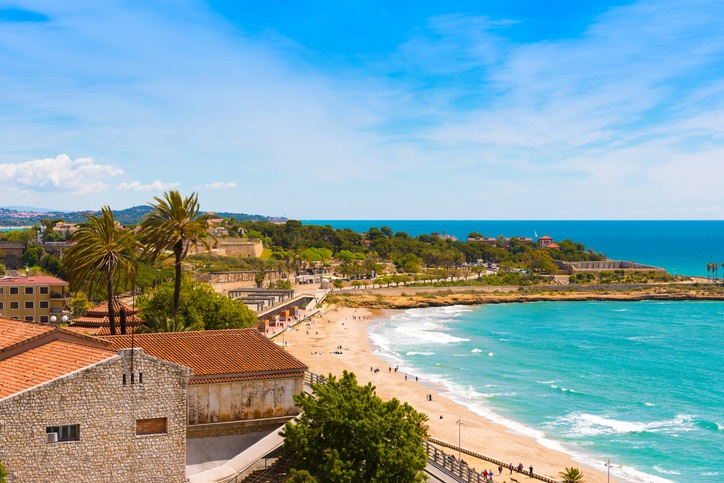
220	185
60	175
155	186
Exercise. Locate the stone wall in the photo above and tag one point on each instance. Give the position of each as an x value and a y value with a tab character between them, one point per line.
242	400
106	410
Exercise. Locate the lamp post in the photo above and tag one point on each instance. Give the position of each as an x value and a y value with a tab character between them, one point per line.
64	319
53	319
459	422
608	469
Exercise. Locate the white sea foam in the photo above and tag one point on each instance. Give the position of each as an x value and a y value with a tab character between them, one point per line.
414	353
547	382
476	351
582	424
490	354
666	472
650	404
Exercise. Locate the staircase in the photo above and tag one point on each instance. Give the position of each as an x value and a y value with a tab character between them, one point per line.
277	472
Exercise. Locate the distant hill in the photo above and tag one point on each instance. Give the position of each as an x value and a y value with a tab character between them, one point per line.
32	216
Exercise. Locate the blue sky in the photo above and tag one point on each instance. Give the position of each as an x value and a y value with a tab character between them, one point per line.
367	110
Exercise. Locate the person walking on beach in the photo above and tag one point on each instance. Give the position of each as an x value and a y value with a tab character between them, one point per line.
511	468
531	471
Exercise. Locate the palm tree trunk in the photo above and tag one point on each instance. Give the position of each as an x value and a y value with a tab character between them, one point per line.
111	311
177	251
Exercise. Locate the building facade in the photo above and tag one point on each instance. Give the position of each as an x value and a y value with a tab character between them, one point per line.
33	298
73	410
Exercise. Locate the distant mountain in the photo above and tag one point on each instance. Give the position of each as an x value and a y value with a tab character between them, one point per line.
130	216
28	208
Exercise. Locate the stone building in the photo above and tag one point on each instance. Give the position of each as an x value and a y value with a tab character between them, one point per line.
71	409
242	381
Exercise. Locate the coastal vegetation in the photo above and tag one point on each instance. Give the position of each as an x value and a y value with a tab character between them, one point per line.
200	308
102	253
173	224
346	433
571	475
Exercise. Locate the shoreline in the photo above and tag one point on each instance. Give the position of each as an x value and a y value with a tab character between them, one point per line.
424	297
313	342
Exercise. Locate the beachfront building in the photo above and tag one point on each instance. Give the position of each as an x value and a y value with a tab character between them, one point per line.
34	298
72	409
242	382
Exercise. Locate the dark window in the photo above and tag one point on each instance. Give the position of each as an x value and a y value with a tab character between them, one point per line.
44	318
151	426
14	291
44	304
43	290
29	304
28	318
29	290
65	433
14	305
2	305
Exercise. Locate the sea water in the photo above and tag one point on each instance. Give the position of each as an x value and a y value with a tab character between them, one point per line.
637	382
681	247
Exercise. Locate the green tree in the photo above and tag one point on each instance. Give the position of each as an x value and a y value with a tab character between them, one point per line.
572	475
300	476
200	307
348	434
174	225
101	254
3	473
539	261
338	284
79	303
32	255
163	323
259	278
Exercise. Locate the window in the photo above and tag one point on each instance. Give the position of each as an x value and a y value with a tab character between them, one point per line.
65	433
151	426
14	305
28	318
44	304
14	291
2	305
43	290
44	319
29	304
29	290
2	290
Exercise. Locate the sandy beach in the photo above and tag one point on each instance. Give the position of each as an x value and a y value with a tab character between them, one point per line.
314	343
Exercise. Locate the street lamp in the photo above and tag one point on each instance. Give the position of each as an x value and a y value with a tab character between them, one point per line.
64	319
459	422
53	319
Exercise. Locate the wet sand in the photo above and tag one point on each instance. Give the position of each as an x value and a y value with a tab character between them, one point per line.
338	327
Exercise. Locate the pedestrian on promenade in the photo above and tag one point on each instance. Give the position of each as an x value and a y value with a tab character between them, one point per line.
531	471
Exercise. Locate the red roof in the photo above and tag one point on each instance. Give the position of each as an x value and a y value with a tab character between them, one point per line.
545	237
98	316
234	354
32	280
15	331
45	363
553	245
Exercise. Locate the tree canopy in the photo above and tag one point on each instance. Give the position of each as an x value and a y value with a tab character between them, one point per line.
200	308
348	434
102	253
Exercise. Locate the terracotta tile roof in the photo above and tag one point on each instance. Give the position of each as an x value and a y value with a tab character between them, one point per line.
15	331
45	363
221	353
98	316
91	331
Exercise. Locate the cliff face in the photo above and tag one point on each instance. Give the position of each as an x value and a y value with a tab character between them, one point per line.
446	297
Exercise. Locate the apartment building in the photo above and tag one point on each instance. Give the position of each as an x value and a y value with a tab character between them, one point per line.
33	298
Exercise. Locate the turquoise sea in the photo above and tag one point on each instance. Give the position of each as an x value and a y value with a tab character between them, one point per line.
637	382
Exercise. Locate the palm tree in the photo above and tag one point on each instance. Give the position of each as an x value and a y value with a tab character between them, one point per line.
708	270
174	225
101	253
571	475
